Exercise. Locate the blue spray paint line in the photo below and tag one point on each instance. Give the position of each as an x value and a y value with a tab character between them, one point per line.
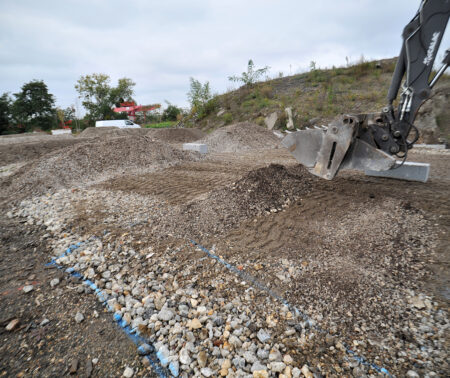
252	281
132	334
68	251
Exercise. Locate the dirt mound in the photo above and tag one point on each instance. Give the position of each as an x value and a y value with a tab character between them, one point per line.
176	135
17	152
93	161
261	191
111	131
240	137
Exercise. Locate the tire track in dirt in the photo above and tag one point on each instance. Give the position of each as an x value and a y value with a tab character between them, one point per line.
179	184
271	232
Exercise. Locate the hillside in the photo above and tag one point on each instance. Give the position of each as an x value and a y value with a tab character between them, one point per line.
318	96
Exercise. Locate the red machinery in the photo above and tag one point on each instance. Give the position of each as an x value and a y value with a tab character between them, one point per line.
131	108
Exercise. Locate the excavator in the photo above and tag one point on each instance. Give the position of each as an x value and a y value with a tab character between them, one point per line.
380	141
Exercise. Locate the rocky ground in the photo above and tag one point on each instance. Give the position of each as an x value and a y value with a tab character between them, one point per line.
234	264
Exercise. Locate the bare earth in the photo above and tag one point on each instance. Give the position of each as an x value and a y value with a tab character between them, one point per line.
365	260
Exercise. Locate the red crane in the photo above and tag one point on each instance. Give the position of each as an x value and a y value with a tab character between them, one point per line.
131	108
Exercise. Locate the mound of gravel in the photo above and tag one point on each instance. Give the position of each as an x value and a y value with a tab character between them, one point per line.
176	135
111	131
240	137
261	191
93	161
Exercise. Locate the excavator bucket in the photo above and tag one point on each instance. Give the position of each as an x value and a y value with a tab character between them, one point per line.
326	151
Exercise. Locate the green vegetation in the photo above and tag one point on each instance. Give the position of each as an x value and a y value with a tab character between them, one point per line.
33	107
227	118
98	97
160	125
318	95
251	76
5	113
201	99
171	113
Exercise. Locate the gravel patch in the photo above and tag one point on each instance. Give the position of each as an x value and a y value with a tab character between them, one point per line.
240	137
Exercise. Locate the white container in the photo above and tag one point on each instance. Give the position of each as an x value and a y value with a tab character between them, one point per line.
61	131
120	123
199	147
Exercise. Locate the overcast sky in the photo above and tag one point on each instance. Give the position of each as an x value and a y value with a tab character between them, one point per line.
160	44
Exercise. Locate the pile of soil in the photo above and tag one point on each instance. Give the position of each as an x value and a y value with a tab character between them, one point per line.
110	132
18	152
93	161
170	135
240	137
261	191
176	135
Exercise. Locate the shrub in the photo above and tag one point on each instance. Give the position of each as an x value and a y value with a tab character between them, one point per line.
227	118
171	113
251	76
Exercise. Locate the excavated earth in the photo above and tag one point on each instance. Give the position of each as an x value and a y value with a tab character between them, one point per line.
236	263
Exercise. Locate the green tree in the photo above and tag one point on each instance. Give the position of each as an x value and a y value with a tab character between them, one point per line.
251	76
171	112
34	106
5	113
199	94
98	97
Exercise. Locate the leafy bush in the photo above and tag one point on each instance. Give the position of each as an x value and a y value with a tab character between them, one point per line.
208	108
227	118
171	113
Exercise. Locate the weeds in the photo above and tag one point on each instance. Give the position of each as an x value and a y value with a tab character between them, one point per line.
227	118
160	125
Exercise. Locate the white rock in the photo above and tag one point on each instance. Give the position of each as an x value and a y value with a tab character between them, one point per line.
28	288
277	367
207	372
165	315
306	372
79	317
184	357
128	372
290	122
263	335
270	120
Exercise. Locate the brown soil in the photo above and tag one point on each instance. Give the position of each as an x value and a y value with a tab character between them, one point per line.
171	135
18	152
347	249
35	350
111	132
92	160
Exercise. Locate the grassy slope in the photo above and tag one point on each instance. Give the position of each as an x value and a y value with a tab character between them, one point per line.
315	97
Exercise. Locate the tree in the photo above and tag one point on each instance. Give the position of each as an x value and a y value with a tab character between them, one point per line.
34	106
98	97
5	113
171	112
251	76
199	94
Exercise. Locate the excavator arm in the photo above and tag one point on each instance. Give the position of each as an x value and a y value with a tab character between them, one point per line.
376	141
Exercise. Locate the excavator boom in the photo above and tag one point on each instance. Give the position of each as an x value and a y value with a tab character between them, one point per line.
376	141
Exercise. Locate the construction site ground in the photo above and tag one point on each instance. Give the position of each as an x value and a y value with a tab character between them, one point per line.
234	263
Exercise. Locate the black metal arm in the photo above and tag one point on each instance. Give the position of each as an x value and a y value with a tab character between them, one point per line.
421	40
